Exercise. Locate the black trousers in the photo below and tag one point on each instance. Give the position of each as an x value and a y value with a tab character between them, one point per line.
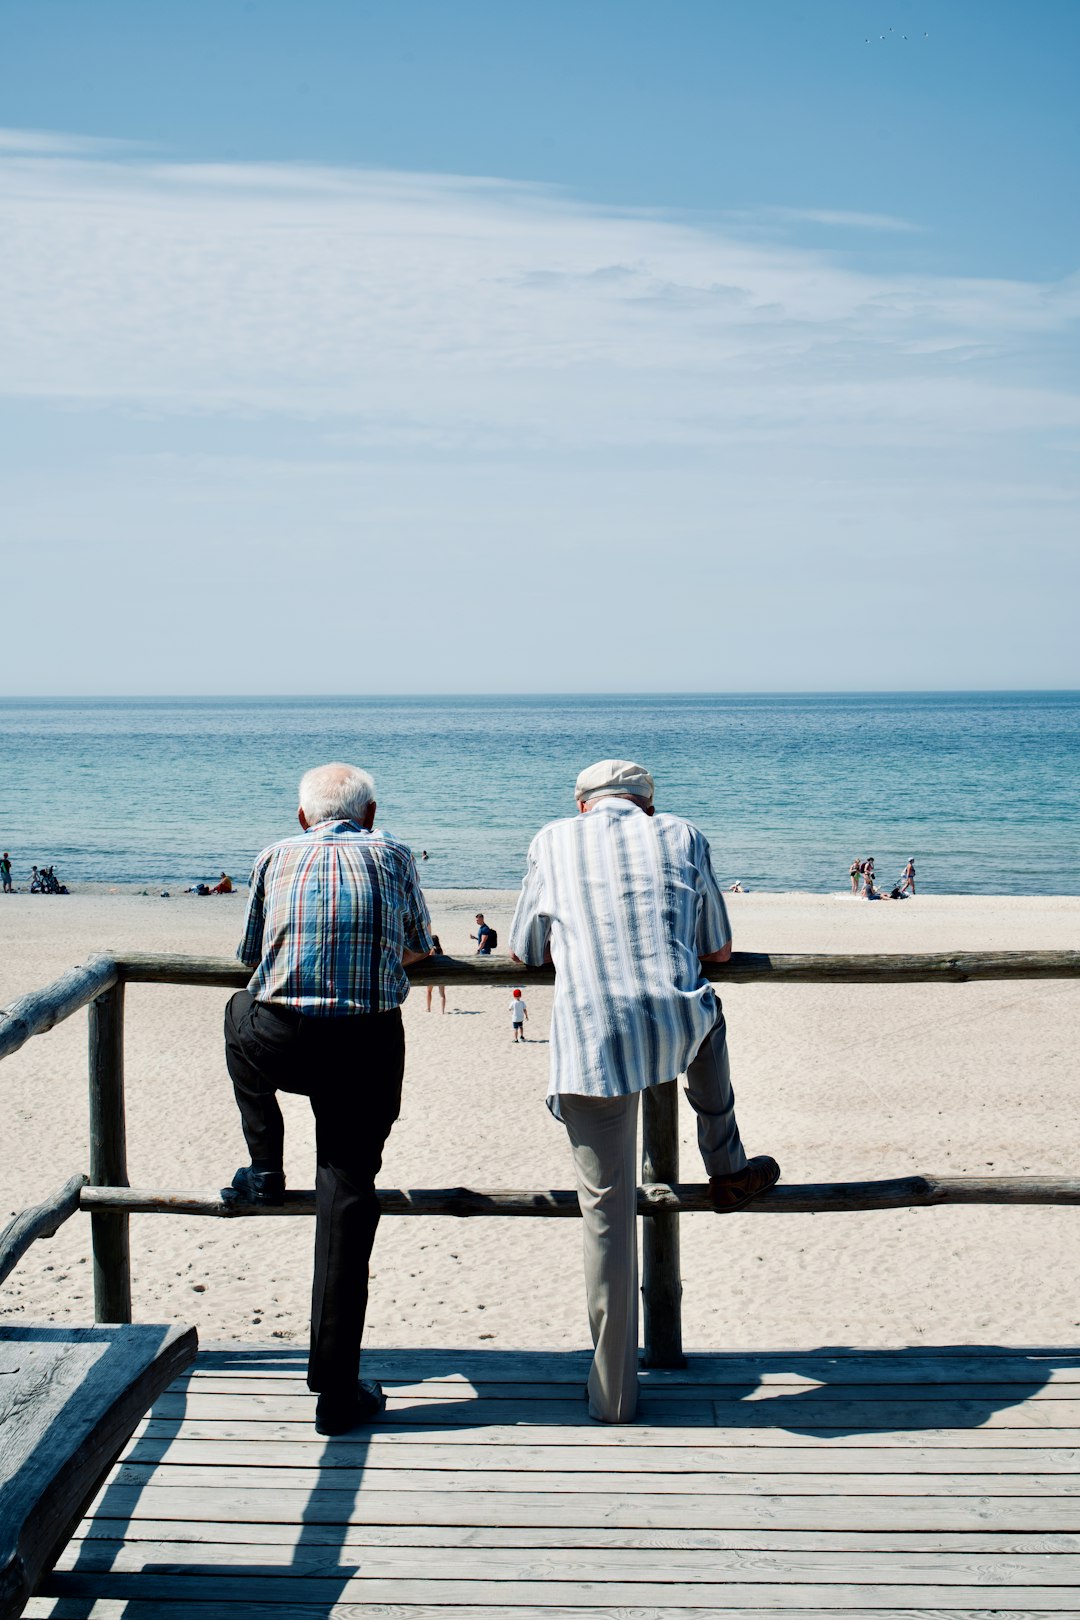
351	1071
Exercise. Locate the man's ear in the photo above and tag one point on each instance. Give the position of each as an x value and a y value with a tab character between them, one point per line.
302	819
368	820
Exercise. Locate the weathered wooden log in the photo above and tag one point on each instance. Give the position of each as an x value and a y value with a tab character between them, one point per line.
40	1010
661	1277
745	967
108	1156
813	1198
70	1399
41	1221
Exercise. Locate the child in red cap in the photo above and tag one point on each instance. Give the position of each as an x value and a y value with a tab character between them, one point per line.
518	1013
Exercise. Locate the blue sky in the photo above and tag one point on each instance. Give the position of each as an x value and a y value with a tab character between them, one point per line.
460	346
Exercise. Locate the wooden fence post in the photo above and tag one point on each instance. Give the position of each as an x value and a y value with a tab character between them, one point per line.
661	1287
108	1156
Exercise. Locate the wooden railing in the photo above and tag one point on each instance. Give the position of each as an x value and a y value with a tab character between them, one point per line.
110	1200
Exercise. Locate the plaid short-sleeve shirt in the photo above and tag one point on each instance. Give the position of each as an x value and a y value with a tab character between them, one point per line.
330	913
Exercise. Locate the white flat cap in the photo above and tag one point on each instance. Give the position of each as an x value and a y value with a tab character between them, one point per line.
610	777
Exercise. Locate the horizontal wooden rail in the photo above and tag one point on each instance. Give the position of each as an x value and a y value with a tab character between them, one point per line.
659	1198
39	1011
41	1221
745	967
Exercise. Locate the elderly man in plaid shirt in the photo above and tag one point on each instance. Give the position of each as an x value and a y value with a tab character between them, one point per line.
335	915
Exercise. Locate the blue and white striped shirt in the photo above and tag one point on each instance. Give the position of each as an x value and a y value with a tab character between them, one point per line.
330	913
627	903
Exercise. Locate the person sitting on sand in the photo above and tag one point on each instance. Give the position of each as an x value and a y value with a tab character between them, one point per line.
224	885
625	903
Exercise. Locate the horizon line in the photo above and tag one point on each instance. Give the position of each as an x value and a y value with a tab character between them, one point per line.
688	692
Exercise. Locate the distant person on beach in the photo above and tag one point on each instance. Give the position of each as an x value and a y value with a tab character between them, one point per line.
436	950
5	872
869	891
224	885
483	936
854	871
518	1015
624	902
907	877
334	917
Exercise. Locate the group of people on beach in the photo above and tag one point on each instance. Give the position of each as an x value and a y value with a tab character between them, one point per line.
862	873
620	899
43	879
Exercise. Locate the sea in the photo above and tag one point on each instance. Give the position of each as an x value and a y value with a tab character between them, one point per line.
981	788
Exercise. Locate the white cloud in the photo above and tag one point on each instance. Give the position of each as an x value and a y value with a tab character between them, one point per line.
425	305
53	143
844	219
212	369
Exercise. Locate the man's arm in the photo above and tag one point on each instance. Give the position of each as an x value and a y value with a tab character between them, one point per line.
530	930
418	943
714	928
250	948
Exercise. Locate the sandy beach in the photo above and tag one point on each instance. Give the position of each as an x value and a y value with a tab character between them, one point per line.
838	1083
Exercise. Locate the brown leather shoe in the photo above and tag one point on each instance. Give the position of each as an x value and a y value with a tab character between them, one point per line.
728	1193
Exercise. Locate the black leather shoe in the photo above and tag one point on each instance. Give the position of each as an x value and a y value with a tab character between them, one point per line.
728	1193
251	1186
337	1414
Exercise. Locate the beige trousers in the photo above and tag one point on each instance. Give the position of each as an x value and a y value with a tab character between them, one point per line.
603	1136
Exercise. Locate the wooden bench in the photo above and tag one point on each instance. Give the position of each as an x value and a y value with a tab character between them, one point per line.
70	1399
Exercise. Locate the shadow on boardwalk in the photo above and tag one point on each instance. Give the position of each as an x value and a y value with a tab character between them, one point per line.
511	1400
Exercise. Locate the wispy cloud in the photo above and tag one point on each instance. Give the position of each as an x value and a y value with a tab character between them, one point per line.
53	143
842	218
420	306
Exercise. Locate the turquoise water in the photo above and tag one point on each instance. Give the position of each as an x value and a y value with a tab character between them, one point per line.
982	789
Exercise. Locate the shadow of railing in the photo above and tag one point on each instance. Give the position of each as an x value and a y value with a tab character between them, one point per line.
716	1401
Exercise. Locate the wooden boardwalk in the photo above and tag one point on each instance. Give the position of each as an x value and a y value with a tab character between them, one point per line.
878	1483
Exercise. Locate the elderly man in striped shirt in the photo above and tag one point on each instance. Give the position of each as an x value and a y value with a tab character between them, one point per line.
624	902
335	915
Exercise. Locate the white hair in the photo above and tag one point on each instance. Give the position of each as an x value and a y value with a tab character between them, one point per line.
335	793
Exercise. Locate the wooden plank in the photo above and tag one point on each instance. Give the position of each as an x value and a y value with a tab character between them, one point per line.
457	1389
946	1364
638	1437
275	1587
622	1564
743	967
219	1476
69	1400
773	1538
379	1450
133	1609
41	1221
41	1010
655	1199
182	1609
539	1508
811	1416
